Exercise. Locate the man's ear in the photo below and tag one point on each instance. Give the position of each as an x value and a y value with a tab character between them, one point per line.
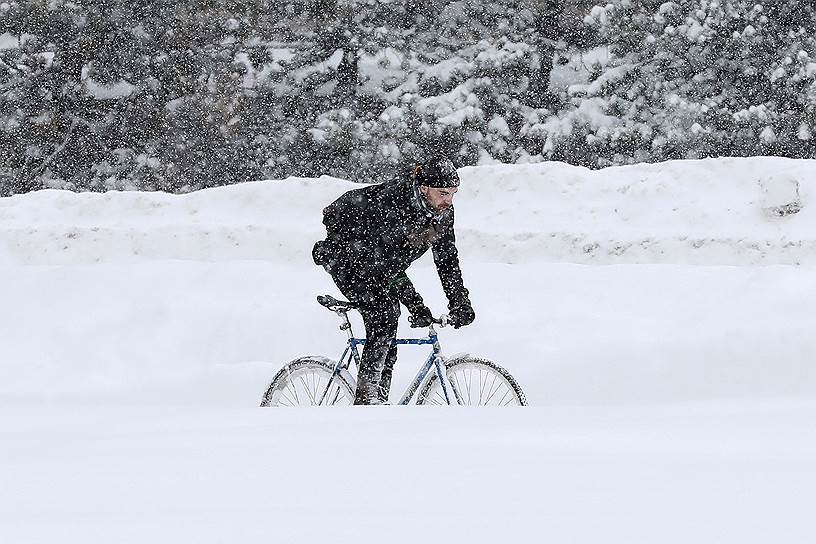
423	189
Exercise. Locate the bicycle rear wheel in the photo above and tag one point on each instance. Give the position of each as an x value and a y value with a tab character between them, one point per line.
479	382
302	382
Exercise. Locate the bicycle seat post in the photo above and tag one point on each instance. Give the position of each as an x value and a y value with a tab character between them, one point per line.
346	324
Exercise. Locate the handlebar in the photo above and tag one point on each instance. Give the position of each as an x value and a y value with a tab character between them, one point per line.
443	321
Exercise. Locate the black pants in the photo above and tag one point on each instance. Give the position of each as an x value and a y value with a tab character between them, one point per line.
380	309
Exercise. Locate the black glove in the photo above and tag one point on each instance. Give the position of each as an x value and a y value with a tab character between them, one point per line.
421	316
462	314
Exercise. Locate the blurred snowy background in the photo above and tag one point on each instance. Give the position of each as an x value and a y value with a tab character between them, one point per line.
177	96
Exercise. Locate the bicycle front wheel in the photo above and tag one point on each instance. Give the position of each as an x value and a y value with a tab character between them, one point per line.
478	382
303	381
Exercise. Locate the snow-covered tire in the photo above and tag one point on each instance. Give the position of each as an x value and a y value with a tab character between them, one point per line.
301	382
495	386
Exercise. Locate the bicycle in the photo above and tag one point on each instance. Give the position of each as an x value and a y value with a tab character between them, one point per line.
462	380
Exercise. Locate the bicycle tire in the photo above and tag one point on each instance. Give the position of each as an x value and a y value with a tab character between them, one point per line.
502	383
309	375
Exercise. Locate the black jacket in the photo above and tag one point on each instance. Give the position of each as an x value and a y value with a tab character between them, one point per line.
379	230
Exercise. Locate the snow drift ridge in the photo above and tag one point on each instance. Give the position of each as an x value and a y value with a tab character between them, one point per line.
714	211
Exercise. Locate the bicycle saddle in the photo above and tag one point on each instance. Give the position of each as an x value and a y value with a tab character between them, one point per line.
336	305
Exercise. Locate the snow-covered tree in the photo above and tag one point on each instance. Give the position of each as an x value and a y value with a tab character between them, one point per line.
488	69
156	94
50	112
694	78
119	94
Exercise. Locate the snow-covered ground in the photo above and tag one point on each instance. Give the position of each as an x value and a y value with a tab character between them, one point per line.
703	473
658	317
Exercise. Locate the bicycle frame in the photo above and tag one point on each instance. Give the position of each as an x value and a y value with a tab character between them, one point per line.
435	361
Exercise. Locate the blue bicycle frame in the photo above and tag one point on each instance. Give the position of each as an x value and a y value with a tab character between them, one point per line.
434	361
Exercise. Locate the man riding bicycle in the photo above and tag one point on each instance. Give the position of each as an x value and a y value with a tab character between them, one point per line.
373	235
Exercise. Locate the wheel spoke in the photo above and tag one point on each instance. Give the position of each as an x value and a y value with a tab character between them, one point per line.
313	393
303	383
481	387
306	390
498	388
494	389
294	391
495	385
318	388
284	396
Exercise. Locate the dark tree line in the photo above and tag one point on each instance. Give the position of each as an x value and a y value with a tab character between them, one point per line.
176	96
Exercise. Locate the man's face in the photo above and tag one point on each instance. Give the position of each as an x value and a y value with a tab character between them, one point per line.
439	199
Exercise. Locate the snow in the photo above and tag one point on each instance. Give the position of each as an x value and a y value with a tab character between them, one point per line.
253	76
331	63
447	69
186	332
612	75
768	135
804	133
779	191
112	91
576	70
8	41
698	473
654	315
492	58
499	125
680	212
384	65
455	107
104	91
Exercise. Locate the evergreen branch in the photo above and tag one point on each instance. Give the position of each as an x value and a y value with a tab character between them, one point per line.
9	66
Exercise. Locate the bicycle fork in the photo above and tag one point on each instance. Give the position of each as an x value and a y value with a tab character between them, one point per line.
446	384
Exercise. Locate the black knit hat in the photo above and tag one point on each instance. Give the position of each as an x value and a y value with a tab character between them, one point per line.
436	173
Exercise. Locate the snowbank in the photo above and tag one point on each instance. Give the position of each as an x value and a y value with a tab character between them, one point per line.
723	211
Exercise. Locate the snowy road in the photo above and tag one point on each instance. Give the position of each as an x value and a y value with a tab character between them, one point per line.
174	332
705	473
